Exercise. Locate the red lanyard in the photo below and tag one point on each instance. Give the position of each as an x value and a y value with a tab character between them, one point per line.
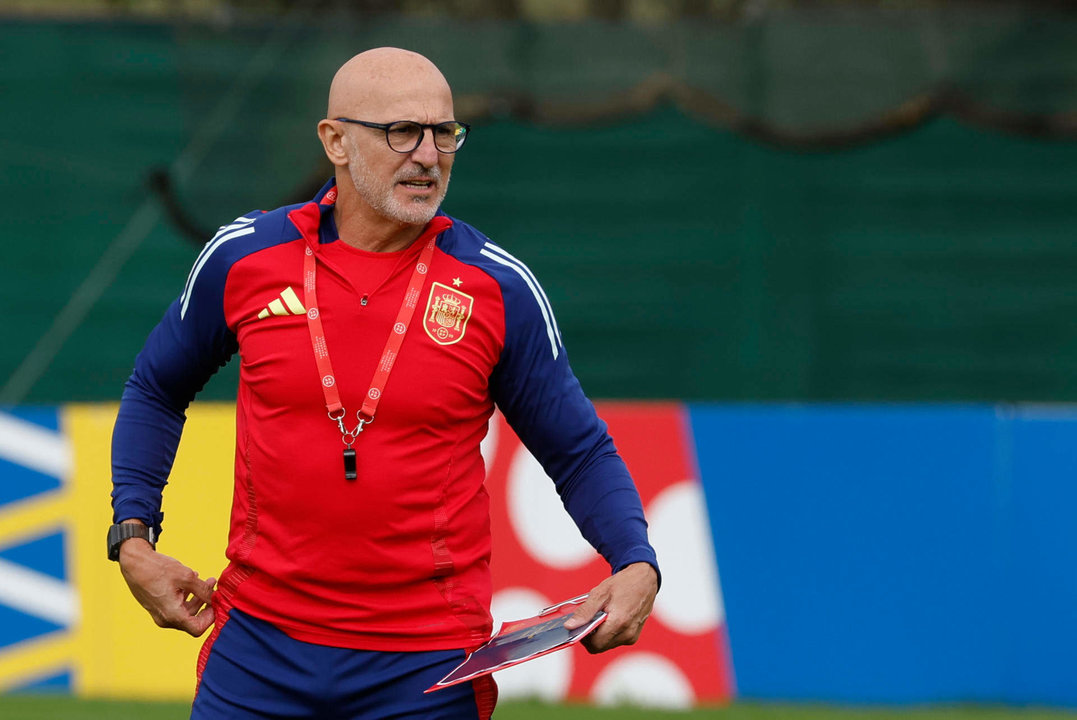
333	404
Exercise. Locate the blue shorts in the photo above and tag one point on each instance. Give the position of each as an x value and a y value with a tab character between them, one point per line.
253	670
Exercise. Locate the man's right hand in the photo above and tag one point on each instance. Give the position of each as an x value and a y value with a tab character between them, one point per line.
172	593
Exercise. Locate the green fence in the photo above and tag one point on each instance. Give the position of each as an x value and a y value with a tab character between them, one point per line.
693	240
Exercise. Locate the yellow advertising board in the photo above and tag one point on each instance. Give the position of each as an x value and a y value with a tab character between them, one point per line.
92	631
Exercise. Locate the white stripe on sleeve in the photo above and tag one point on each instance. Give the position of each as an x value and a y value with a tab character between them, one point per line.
545	300
547	313
226	233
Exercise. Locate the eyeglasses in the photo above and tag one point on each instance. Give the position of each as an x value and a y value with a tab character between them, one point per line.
404	136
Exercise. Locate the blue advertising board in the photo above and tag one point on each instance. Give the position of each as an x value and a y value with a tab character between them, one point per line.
895	553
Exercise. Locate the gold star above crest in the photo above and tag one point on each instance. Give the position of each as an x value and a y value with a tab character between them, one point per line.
457	282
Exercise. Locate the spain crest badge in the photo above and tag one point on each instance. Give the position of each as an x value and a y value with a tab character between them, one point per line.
447	313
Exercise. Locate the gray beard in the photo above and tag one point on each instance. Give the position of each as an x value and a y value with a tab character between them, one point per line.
379	196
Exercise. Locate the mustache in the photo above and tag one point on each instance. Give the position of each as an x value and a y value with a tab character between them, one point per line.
410	173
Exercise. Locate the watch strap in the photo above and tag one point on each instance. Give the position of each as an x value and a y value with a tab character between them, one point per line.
121	532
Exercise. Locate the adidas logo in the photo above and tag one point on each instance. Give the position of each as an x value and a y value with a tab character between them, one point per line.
286	304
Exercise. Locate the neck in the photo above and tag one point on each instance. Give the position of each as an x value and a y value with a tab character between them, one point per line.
361	227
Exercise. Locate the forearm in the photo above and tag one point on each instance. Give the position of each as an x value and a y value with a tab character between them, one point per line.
144	443
605	505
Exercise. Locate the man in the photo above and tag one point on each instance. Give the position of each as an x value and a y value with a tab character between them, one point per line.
375	336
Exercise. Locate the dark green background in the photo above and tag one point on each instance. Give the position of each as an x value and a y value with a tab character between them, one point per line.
683	260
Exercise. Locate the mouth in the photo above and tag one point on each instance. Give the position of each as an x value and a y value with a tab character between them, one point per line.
417	184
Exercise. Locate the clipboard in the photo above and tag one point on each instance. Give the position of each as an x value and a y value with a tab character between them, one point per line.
523	640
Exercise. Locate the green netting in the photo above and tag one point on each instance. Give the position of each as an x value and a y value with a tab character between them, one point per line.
684	259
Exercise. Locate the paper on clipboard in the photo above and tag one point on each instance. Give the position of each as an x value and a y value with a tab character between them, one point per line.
523	640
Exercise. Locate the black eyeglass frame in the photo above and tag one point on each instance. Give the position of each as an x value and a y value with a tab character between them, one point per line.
384	127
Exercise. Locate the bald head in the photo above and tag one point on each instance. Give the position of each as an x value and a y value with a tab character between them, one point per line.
387	84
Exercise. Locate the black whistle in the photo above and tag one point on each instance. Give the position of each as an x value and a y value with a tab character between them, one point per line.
349	464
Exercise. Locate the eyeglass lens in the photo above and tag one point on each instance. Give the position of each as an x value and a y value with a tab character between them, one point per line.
405	136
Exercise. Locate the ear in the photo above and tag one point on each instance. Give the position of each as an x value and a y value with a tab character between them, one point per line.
332	138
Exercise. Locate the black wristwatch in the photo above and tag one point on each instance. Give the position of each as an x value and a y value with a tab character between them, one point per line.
120	532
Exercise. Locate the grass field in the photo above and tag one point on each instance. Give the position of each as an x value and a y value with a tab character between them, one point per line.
28	707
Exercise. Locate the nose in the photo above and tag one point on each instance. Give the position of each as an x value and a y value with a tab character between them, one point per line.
427	153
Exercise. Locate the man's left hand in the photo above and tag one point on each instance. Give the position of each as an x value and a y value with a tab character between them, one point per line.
627	598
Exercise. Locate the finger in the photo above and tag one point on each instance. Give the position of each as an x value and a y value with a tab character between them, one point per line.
202	589
604	638
203	621
601	637
585	612
195	625
598	641
193	604
617	629
173	617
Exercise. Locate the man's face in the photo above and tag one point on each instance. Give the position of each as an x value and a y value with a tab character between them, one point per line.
388	85
405	187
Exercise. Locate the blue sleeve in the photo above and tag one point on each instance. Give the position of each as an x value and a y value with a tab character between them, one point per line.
191	342
542	400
